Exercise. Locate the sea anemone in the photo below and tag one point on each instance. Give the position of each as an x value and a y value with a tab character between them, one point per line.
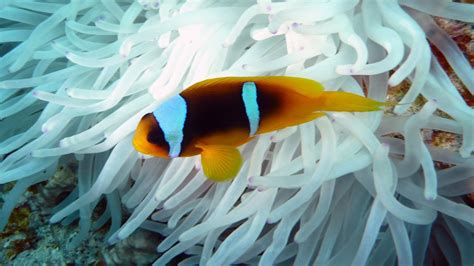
76	77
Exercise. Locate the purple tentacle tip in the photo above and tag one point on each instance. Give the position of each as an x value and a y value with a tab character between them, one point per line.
250	180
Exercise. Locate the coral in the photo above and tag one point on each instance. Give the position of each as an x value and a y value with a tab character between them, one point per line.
17	236
139	249
76	77
29	239
63	181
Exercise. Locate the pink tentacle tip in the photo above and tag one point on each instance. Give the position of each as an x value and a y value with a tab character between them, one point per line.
385	145
268	8
261	189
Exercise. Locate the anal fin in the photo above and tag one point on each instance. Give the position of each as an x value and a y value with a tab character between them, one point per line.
220	162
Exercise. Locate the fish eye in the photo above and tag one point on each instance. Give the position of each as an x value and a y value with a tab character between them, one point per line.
149	138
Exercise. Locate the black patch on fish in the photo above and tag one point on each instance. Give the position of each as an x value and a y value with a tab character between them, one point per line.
211	110
156	135
216	111
269	101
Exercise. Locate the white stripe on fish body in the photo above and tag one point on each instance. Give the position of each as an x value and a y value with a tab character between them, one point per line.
171	116
249	95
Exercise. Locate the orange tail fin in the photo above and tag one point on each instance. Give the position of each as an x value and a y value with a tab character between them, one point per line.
347	102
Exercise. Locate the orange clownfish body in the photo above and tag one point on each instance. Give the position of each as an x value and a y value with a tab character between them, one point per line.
215	116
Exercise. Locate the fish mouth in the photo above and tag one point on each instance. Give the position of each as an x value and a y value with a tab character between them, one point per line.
136	143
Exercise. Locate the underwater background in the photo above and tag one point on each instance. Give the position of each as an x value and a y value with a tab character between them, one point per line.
382	188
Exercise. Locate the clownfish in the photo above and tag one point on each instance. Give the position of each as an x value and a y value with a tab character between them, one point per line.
215	116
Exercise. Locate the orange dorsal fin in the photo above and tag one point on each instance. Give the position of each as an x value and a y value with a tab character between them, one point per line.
222	82
220	162
303	86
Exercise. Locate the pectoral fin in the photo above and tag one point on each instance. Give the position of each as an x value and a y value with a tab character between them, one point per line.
220	162
276	124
